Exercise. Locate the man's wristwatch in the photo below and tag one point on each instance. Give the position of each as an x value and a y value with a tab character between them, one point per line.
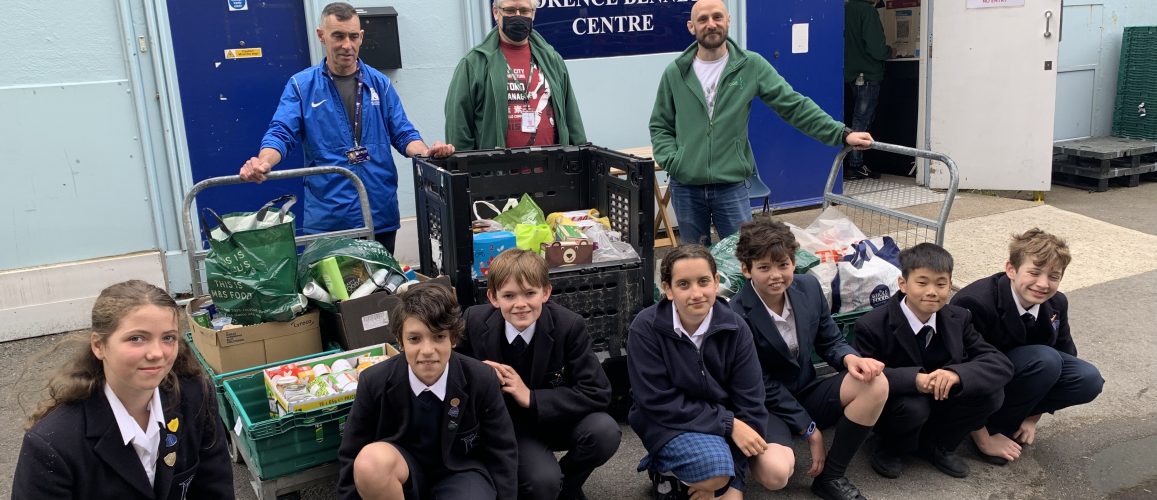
811	429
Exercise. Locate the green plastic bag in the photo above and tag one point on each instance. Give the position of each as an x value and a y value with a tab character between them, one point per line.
356	259
526	212
805	260
730	274
532	236
251	267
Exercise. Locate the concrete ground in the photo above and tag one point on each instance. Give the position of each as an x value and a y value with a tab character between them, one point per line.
1107	449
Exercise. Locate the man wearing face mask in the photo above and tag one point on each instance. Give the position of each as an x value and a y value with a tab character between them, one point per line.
513	89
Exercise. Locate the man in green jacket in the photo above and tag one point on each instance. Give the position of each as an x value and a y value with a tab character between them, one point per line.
699	124
864	54
513	89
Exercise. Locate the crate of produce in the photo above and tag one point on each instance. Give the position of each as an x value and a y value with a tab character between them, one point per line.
560	179
278	447
846	322
228	416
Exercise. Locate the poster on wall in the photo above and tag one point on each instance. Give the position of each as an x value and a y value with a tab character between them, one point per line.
582	29
984	4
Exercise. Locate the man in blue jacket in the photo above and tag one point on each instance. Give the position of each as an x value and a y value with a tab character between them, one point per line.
343	113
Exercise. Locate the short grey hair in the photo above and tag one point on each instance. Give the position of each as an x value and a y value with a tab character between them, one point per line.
341	10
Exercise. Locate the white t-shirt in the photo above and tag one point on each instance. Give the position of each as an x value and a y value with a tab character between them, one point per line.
709	73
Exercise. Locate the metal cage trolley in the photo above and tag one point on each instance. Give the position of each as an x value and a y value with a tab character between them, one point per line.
286	454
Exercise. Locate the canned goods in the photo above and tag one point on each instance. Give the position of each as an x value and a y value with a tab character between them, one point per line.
201	317
210	308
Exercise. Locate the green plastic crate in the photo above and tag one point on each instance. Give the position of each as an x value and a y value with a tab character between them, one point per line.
223	407
288	444
846	322
1136	84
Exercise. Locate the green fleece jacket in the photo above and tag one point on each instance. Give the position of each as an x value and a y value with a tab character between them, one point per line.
864	47
476	104
695	149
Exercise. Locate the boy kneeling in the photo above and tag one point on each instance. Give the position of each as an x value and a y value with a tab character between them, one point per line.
432	423
944	380
1021	313
789	318
555	388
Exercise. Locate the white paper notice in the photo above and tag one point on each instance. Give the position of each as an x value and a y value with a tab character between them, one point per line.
984	4
799	38
376	320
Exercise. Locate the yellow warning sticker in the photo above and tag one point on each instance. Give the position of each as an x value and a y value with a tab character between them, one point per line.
243	53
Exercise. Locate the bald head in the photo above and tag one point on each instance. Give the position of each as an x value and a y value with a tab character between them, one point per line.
709	23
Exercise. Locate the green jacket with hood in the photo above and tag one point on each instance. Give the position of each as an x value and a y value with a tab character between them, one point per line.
476	104
697	150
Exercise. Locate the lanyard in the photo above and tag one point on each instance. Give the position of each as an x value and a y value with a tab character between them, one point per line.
529	78
357	124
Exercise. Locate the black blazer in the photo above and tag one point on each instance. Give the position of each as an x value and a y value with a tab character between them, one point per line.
884	334
995	316
77	451
480	437
784	375
566	380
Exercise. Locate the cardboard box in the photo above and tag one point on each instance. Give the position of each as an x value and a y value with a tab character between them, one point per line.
365	320
239	348
901	20
279	405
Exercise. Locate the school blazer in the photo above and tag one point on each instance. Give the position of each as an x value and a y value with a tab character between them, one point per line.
785	375
476	433
76	451
995	316
566	380
884	334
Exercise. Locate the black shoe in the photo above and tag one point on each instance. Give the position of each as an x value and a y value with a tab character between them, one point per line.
836	489
853	175
667	487
887	464
947	461
994	460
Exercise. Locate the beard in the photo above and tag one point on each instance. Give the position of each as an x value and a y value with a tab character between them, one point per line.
708	41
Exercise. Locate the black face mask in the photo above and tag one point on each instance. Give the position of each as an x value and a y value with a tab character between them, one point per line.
517	28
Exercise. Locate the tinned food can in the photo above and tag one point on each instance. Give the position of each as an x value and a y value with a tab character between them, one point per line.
201	317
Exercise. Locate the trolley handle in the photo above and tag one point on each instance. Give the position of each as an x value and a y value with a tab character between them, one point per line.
953	172
197	252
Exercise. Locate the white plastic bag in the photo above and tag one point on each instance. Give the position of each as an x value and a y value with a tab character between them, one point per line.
867	276
829	238
608	245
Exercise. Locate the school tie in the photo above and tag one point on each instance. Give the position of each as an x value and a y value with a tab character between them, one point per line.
924	336
1029	322
518	345
428	398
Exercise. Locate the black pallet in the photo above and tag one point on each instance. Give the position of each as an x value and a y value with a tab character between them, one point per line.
559	178
1103	159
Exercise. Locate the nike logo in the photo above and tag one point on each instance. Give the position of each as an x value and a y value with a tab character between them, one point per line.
316	104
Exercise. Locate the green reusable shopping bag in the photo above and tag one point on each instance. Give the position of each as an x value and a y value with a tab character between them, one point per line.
526	212
357	260
532	236
252	263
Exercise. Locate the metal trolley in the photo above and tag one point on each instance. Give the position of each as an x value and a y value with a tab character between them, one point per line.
284	486
908	212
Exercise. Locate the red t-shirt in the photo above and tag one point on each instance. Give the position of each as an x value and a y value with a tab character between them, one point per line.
525	98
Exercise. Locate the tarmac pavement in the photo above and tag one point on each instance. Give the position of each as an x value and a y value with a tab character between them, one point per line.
1106	449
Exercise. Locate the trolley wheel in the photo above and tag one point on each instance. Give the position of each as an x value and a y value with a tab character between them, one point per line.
234	454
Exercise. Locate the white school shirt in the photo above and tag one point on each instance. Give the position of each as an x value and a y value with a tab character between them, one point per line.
145	441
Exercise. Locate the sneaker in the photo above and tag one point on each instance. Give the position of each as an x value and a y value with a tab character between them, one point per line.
867	172
853	175
947	461
887	464
836	489
667	487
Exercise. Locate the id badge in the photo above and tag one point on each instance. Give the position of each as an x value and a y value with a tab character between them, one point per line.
529	123
357	155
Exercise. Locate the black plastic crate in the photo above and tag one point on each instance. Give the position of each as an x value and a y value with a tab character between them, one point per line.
559	178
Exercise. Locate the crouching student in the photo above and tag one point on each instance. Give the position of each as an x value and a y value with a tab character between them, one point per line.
789	317
696	387
944	380
1020	312
431	423
555	388
129	415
